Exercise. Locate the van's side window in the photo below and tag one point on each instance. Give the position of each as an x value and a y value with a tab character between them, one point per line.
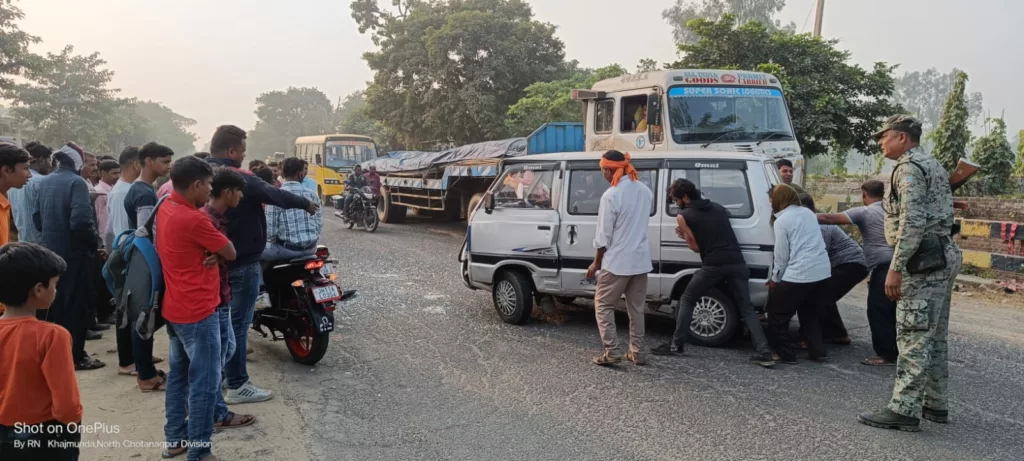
525	188
604	116
587	186
634	114
725	187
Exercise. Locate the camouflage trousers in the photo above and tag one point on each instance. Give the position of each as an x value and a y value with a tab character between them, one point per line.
922	325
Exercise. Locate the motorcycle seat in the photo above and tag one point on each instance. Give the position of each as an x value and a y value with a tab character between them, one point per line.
288	262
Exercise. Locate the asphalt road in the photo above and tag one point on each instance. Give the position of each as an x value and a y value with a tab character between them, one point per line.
421	368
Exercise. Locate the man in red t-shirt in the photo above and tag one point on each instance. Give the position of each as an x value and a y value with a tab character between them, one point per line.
189	247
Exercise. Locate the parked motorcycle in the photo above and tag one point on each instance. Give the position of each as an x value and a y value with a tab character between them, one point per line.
303	297
363	212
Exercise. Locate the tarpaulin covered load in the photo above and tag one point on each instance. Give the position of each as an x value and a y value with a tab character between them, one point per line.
415	160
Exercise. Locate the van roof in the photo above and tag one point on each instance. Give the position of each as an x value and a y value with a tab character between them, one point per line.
657	154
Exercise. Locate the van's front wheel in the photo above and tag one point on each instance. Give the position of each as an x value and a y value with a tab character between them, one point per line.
714	320
513	297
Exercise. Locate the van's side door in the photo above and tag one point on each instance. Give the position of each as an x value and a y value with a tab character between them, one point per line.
522	228
585	186
728	183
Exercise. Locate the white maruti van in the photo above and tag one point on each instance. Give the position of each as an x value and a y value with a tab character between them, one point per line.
532	237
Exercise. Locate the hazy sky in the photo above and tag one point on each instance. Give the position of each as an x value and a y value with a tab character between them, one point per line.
210	59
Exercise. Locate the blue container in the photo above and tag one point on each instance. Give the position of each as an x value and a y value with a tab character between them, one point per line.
556	137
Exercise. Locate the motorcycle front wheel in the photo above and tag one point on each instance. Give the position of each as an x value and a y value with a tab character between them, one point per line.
370	221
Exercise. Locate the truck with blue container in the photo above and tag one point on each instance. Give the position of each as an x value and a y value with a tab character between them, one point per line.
450	183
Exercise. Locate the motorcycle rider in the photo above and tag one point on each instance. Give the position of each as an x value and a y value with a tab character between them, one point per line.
293	233
353	184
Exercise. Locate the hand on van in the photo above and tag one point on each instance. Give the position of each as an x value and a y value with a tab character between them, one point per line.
592	270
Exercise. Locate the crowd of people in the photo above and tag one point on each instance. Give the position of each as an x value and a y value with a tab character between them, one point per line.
908	256
64	212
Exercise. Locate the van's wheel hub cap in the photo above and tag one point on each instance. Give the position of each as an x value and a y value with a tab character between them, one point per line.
708	317
505	298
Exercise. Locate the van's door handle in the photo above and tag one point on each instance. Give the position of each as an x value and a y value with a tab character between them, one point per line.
543	227
572	234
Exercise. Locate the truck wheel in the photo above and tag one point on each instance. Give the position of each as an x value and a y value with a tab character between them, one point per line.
715	319
388	212
473	202
513	297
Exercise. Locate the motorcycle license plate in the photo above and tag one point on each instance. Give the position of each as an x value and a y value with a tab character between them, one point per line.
326	293
327	270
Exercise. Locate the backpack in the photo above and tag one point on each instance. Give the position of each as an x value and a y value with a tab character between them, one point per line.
134	276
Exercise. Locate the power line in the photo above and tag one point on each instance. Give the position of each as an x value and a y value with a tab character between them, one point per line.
804	27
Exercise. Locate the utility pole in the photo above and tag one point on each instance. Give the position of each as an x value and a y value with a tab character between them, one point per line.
818	17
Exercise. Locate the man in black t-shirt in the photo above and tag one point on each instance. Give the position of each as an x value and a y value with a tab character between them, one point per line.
707	230
141	198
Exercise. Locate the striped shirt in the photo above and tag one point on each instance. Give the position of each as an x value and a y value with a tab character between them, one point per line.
841	248
295	227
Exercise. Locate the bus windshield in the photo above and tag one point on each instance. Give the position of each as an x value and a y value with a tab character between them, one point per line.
347	154
729	114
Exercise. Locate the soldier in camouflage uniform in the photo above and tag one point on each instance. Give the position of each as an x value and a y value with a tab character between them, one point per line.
919	205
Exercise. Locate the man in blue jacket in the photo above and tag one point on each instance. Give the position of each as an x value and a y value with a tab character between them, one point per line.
65	218
247	230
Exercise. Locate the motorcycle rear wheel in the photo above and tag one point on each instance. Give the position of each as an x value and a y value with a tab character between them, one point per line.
308	349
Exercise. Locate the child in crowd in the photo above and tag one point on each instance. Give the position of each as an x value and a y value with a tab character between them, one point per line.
39	396
186	242
225	195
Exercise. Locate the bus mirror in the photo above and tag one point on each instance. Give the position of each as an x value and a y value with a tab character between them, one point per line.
317	159
654	128
488	203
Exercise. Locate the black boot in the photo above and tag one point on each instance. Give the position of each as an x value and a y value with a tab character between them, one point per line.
935	416
887	419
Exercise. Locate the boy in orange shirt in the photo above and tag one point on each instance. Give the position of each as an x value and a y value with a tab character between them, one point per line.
38	389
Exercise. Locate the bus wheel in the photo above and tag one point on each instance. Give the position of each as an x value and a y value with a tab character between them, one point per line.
388	212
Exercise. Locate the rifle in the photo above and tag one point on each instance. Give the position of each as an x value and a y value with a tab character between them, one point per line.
964	170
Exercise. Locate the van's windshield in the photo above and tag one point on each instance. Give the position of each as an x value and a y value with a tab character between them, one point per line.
700	114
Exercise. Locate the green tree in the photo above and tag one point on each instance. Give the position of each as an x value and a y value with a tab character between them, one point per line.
924	94
15	57
646	65
167	127
834	104
448	71
993	154
552	101
282	116
952	134
1018	166
66	97
352	118
683	11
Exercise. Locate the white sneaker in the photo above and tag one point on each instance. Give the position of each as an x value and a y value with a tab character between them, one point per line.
263	301
248	393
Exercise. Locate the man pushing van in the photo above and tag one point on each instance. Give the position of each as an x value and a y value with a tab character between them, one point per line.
707	230
623	257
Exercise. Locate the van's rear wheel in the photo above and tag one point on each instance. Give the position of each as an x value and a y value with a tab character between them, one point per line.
388	212
714	320
513	297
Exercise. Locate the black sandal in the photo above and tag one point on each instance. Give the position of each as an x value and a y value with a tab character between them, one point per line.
244	420
89	363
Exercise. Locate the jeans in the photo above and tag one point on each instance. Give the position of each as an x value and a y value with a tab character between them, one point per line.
275	252
806	300
245	288
193	384
882	316
706	278
347	203
227	349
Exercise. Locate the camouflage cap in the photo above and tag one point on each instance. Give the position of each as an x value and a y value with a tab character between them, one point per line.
904	123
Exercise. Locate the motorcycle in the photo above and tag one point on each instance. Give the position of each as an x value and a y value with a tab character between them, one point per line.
303	296
363	210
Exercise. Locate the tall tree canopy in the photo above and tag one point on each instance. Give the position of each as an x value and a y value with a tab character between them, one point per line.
952	134
351	117
447	71
66	97
15	57
923	94
763	11
282	116
834	104
994	155
167	127
1018	166
552	101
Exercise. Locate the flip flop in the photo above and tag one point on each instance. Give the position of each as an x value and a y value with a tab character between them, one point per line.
167	454
244	420
161	383
157	360
877	361
121	372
